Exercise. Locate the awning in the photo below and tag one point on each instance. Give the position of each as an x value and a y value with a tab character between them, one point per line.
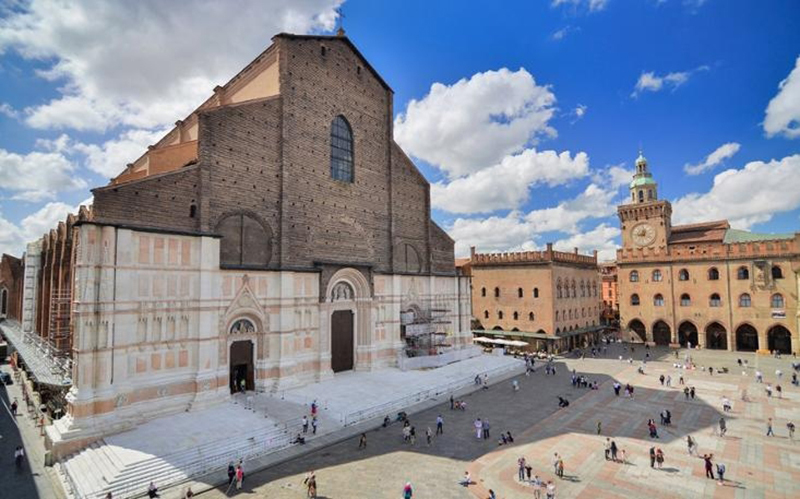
39	356
499	341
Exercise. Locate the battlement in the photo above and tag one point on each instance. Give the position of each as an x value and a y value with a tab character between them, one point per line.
532	257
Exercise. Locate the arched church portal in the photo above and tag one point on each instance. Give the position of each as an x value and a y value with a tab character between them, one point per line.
342	346
241	365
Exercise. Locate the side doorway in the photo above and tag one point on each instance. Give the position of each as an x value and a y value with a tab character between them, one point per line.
242	367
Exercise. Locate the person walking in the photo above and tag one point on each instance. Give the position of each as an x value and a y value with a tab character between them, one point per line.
439	425
521	468
408	492
14	406
551	490
723	427
152	490
560	470
314	425
556	459
429	435
486	429
412	434
790	427
536	483
690	444
19	456
691	392
614	451
304	422
770	433
231	473
659	457
709	466
599	427
669	381
662	379
608	448
240	477
720	473
452	402
362	441
652	457
310	482
478	428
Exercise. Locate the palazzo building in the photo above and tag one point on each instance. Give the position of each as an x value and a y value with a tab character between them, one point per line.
610	294
705	284
549	299
276	235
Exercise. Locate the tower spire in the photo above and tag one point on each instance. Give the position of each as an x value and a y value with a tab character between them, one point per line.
643	187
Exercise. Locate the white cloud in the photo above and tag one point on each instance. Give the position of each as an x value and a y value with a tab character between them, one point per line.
144	63
563	32
593	202
491	234
591	5
747	196
618	176
506	185
7	110
649	81
783	111
720	154
110	158
476	122
37	175
602	238
13	238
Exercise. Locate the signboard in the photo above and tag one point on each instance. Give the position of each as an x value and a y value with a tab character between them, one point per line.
779	314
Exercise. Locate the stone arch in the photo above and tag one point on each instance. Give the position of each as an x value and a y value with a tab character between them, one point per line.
408	258
352	277
3	302
638	329
687	333
662	333
716	336
246	240
746	338
779	339
497	328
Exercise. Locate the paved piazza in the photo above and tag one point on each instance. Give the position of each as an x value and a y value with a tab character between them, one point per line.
757	465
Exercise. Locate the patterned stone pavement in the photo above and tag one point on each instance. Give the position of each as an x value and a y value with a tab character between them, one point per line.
757	466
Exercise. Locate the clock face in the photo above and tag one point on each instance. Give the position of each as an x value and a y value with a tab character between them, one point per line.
643	234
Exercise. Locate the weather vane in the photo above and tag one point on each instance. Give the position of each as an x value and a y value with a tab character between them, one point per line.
340	15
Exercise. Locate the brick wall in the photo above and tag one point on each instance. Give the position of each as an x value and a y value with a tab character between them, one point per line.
11	279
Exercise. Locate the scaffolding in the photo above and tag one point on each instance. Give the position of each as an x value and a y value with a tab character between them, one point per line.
425	333
60	321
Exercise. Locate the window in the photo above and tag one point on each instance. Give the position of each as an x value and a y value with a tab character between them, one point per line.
777	301
485	314
516	316
641	196
743	274
635	299
714	301
634	276
744	300
556	314
519	292
570	313
558	290
245	242
658	300
536	292
483	291
713	274
583	312
530	316
777	273
574	289
497	292
192	210
686	300
341	150
683	275
650	194
583	290
594	289
500	314
656	275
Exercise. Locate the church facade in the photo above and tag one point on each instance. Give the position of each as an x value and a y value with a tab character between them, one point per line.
273	238
704	284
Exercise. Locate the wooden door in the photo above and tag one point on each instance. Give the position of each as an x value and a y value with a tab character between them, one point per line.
342	341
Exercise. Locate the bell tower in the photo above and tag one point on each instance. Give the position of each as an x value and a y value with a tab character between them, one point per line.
645	220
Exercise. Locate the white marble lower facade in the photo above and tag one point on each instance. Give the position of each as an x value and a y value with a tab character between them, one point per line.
157	323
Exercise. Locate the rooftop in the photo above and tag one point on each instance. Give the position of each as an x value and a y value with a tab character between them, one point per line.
733	236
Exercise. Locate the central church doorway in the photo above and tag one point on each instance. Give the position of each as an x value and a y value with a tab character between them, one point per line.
342	340
242	367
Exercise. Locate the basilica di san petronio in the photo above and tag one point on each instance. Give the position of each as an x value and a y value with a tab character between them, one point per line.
261	303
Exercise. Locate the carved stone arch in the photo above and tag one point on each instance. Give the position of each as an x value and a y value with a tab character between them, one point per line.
244	306
352	277
247	240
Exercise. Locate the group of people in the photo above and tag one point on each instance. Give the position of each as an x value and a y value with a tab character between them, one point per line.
613	452
581	381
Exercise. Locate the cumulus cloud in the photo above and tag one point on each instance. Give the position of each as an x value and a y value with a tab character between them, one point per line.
720	154
746	196
783	111
563	32
476	122
13	237
590	5
602	238
144	63
506	185
593	202
37	175
7	110
109	159
649	81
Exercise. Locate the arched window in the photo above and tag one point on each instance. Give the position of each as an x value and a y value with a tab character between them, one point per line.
683	275
583	312
3	301
686	300
641	196
583	289
635	299
516	316
500	314
519	292
714	301
777	301
245	242
341	150
574	289
744	300
483	291
558	290
656	275
658	300
531	316
497	292
634	276
777	273
536	292
556	314
743	274
569	313
650	194
594	288
485	314
713	274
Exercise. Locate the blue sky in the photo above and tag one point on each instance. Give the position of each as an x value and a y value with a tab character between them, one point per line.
542	97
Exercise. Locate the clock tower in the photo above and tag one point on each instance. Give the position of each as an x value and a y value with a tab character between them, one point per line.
645	220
